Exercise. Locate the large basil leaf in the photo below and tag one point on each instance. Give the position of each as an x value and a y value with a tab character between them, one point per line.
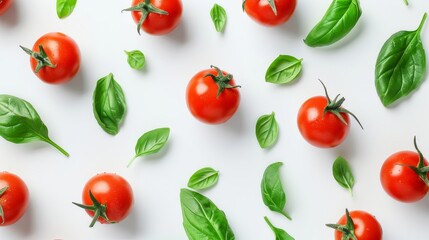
343	174
20	122
202	219
339	20
109	104
218	15
65	7
151	142
401	65
272	191
267	130
203	178
284	69
280	233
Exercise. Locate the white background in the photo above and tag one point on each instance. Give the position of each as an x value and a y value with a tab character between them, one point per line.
156	98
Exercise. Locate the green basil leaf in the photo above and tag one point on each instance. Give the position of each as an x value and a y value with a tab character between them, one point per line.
401	65
136	59
284	69
202	219
20	122
280	233
267	130
406	2
109	104
272	191
218	15
151	142
65	7
203	178
343	174
339	20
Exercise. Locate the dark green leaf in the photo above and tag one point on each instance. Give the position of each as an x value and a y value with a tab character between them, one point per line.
343	174
65	7
136	59
109	104
339	20
151	142
202	219
218	15
267	130
203	178
401	65
284	69
272	191
20	123
280	233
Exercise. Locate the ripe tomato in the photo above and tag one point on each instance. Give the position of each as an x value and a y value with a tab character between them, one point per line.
157	17
4	5
212	96
324	123
262	12
399	179
14	198
357	225
107	198
55	58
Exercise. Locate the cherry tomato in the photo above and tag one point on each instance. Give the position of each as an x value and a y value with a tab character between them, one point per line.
5	5
157	17
212	96
107	197
55	58
14	198
262	12
324	123
400	181
362	225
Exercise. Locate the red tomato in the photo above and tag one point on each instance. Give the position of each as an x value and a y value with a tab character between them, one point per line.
112	198
212	96
14	198
322	122
400	181
4	5
261	11
366	227
61	62
163	16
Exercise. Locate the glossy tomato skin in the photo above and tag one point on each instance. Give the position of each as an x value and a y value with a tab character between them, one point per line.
401	182
62	52
261	11
15	200
324	131
112	190
366	226
157	24
5	5
203	102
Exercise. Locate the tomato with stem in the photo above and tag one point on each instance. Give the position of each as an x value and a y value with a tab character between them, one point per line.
14	198
270	12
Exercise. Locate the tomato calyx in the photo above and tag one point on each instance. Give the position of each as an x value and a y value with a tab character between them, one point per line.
145	8
96	207
273	6
334	107
421	170
348	229
41	57
221	80
2	191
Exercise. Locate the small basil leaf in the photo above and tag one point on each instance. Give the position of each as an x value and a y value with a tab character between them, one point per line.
218	15
280	233
272	191
151	142
267	130
202	219
20	122
136	59
203	178
343	174
406	2
65	7
109	104
284	69
401	65
338	21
